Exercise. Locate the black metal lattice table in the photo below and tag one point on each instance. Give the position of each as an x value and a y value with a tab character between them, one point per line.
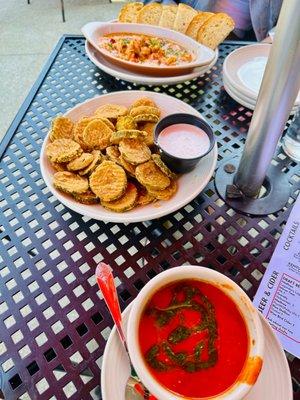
53	324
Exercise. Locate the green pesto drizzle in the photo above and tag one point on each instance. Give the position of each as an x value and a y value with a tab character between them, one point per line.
190	362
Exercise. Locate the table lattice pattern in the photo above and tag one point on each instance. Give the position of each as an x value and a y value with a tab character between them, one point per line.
53	323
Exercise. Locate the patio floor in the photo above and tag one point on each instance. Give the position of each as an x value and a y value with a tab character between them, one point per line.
28	34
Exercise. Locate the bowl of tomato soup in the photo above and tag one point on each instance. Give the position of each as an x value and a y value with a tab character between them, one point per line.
194	334
183	140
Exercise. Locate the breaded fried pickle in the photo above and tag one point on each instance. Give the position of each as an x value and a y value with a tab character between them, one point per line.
148	127
69	182
146	118
116	137
86	198
144	197
149	175
164	194
125	122
63	150
125	202
80	162
159	162
143	101
134	151
144	110
97	158
108	181
111	111
96	135
61	128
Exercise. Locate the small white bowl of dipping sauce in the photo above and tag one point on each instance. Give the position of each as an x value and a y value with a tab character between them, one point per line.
183	140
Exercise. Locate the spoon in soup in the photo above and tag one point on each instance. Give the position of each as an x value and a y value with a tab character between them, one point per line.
134	389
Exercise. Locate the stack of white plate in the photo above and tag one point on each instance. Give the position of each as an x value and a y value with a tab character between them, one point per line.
121	72
243	71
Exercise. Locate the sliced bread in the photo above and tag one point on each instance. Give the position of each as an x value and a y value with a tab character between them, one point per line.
184	16
150	14
129	12
168	16
215	30
196	23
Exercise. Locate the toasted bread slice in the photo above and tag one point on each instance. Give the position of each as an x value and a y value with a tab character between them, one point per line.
168	16
197	22
150	14
129	12
183	17
215	30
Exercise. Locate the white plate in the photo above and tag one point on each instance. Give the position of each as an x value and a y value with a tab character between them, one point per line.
273	383
237	59
241	98
117	72
189	185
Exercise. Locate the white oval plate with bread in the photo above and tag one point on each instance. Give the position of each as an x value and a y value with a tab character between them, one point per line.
121	73
201	55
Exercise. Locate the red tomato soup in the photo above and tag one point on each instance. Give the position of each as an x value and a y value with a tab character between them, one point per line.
193	338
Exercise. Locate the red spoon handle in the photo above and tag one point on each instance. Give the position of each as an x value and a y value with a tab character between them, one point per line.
107	286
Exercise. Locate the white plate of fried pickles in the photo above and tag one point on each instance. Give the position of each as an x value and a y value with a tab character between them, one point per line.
99	159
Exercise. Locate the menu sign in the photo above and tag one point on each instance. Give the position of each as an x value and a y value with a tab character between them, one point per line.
278	296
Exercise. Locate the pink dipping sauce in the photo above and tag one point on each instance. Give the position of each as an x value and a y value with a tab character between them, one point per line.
184	141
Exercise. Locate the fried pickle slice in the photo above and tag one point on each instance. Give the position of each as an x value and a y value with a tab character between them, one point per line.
144	197
134	151
78	131
143	101
108	181
144	110
107	122
149	175
111	111
125	122
164	194
130	168
148	127
117	136
63	150
69	182
97	158
59	166
61	128
159	162
87	197
80	162
146	118
96	135
113	153
125	202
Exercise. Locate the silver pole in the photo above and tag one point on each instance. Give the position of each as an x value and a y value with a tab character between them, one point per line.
280	86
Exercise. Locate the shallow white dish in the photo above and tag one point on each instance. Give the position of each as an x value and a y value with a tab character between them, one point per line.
189	185
118	72
202	55
273	383
239	58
